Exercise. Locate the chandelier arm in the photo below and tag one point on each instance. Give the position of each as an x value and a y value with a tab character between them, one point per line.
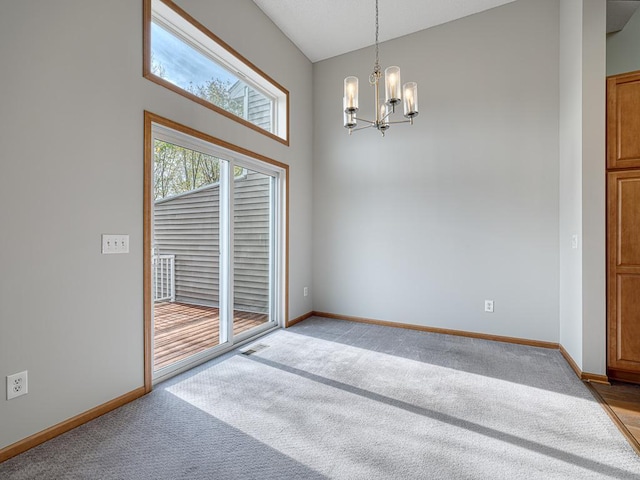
400	121
387	116
360	119
361	128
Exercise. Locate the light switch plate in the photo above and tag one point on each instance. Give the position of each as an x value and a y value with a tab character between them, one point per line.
115	244
574	241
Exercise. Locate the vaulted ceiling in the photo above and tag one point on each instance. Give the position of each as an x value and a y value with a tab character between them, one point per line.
325	28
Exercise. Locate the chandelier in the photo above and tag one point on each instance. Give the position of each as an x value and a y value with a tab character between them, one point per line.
393	96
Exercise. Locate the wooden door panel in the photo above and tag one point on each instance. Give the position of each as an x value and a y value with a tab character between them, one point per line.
623	274
628	320
628	221
623	121
628	121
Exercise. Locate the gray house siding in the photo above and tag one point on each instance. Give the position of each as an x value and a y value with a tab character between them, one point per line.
187	226
259	110
256	107
251	231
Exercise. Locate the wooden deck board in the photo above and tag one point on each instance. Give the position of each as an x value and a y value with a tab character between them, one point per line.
182	330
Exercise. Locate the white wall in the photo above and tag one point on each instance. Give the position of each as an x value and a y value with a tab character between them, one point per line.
71	130
582	182
623	48
571	177
593	187
425	224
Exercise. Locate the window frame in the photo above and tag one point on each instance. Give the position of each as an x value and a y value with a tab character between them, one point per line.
229	59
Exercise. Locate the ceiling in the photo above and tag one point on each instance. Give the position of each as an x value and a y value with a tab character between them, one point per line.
325	28
619	12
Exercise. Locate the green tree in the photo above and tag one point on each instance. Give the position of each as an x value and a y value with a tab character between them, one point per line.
178	170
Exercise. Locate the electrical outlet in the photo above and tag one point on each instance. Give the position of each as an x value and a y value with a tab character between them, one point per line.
488	306
305	291
17	385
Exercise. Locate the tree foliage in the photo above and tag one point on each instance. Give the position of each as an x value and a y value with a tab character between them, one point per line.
218	92
177	170
157	68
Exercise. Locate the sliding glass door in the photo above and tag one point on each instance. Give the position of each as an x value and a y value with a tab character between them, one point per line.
253	245
215	246
185	252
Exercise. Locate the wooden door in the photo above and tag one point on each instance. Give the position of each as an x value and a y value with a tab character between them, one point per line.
623	121
623	227
624	275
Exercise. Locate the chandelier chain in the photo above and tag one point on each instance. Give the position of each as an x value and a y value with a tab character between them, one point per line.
377	65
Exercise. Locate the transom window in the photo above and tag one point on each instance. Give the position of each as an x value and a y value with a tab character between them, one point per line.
185	57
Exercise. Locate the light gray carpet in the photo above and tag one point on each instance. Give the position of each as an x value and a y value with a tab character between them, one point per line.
334	399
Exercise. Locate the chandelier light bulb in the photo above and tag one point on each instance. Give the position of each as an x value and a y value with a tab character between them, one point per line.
351	94
392	85
384	117
410	99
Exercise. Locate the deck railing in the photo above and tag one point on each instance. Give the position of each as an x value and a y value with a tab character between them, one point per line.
164	278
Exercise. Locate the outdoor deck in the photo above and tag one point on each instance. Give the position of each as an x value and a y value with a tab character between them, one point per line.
182	330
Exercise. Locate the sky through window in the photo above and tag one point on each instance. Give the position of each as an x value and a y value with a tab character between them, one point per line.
183	65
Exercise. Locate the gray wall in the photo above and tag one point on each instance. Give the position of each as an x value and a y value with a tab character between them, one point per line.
71	130
623	48
425	224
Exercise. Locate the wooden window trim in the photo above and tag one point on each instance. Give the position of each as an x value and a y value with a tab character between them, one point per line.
147	73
